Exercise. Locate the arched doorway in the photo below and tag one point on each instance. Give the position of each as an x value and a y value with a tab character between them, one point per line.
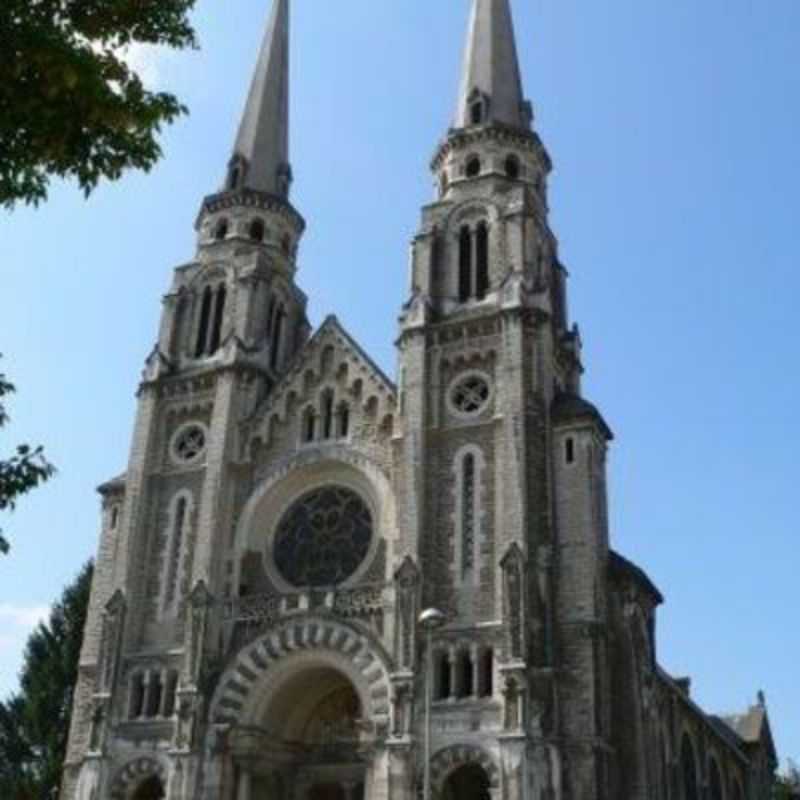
469	782
151	789
308	739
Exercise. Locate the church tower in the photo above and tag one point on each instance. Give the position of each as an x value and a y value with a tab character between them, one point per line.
503	489
290	519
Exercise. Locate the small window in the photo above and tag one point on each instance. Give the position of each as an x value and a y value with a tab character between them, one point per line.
137	696
476	113
473	167
257	230
309	426
327	415
233	183
445	688
487	670
512	168
344	421
466	674
221	231
114	517
569	450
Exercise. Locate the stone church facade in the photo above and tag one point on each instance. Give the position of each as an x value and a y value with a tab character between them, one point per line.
288	511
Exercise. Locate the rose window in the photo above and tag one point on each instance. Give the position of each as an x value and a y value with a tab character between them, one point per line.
323	538
470	395
189	444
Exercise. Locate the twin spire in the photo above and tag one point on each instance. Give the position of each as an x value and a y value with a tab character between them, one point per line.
491	92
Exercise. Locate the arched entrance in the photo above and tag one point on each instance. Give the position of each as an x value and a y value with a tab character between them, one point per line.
469	782
308	738
151	789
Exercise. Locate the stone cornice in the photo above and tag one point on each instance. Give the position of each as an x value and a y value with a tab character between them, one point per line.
251	198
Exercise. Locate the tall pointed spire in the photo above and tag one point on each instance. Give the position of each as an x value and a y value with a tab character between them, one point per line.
261	153
491	86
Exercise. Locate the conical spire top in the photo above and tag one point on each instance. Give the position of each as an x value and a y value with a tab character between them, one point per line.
491	86
261	153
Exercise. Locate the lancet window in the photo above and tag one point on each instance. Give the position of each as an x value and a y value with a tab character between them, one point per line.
175	551
212	315
473	262
469	474
463	672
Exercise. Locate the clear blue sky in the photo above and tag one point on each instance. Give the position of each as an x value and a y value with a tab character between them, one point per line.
674	129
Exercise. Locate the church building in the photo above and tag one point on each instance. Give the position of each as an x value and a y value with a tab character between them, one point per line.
316	582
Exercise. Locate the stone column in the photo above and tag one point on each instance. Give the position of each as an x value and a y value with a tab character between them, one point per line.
475	655
244	785
452	654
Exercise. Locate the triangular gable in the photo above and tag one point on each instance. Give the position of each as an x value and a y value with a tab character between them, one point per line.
331	348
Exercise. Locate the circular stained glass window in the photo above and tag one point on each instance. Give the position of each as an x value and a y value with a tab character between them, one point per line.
323	538
470	394
189	443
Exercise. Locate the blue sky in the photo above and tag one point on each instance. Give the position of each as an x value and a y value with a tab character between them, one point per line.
673	128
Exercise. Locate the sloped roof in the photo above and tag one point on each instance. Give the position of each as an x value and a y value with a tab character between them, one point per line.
570	407
114	485
621	566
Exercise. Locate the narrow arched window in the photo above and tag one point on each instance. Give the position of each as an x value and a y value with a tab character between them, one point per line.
468	513
170	691
174	553
136	708
114	517
219	314
466	674
487	672
444	676
344	421
569	450
482	260
277	336
689	771
327	415
257	231
473	167
233	183
155	690
512	167
221	231
715	781
465	264
309	425
205	318
476	113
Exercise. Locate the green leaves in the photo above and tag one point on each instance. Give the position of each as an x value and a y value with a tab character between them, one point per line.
34	724
23	471
69	104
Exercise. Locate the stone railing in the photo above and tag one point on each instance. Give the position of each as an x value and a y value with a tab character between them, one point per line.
244	618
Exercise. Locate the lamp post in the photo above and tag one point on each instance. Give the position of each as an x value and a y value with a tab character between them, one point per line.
430	619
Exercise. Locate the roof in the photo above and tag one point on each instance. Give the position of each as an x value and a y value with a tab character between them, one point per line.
114	485
570	407
628	569
491	68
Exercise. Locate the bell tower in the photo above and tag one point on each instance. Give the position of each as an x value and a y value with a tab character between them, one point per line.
504	462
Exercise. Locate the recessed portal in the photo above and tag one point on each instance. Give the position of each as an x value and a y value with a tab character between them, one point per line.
469	782
151	789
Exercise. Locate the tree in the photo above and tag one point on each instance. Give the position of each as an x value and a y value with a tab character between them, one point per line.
23	471
34	724
70	106
787	786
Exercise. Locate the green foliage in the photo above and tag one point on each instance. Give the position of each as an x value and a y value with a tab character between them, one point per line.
787	785
69	104
34	724
23	471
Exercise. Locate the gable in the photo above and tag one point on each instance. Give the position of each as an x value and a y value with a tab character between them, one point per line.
330	361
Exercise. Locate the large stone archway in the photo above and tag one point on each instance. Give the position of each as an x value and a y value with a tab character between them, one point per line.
243	686
141	775
305	706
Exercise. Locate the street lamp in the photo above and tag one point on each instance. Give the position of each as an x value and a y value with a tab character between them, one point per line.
430	619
